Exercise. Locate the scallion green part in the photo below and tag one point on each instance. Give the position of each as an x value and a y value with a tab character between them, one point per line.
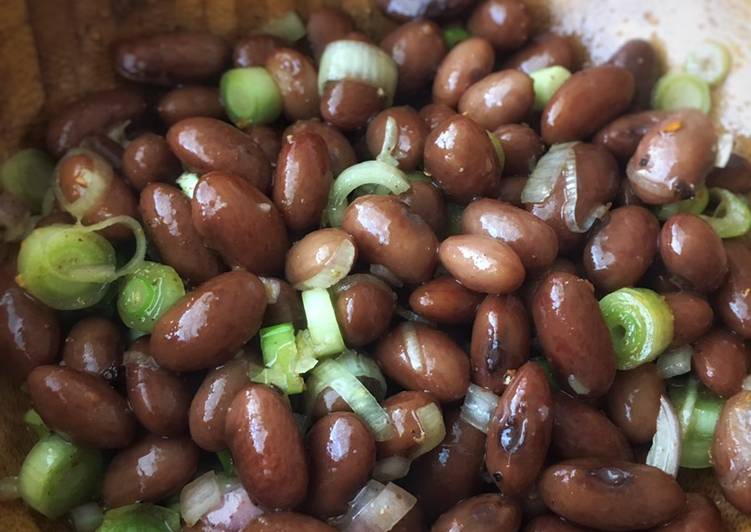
87	517
640	324
9	489
548	369
187	183
695	205
454	34
731	216
498	148
546	83
28	176
34	421
141	517
226	461
250	96
147	293
677	90
323	334
284	363
698	412
288	26
710	62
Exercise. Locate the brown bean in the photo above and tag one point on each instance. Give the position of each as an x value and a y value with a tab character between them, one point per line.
420	358
621	249
297	79
207	326
691	249
268	139
364	306
426	200
504	97
731	450
255	50
270	461
461	159
95	113
208	409
387	233
445	300
283	304
506	24
341	153
500	341
325	25
511	191
735	176
634	401
521	148
535	278
172	58
417	48
411	135
673	158
721	361
207	144
435	113
166	215
328	400
286	521
350	104
733	300
94	345
105	147
692	317
320	258
519	431
622	135
150	470
240	223
626	196
147	159
532	240
483	513
81	405
591	492
467	63
545	51
482	263
303	179
640	58
409	9
189	101
586	102
409	434
699	515
552	523
573	334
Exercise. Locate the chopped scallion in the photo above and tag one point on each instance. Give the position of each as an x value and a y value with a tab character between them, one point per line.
731	217
680	89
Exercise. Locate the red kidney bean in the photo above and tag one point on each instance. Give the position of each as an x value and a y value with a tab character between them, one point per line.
511	191
721	361
691	249
208	409
268	139
519	431
208	326
94	345
483	513
500	341
506	24
417	48
240	223
387	233
411	135
622	135
285	521
586	102
409	433
255	50
147	159
626	196
521	148
325	25
82	406
552	523
166	215
364	306
350	104
297	79
207	144
172	58
461	159
426	200
735	176
731	450
573	334
545	51
532	240
504	97
700	514
640	58
105	147
316	252
591	492
621	249
467	63
673	158
634	401
435	113
692	317
341	153
150	470
445	300
284	304
189	101
95	113
270	462
420	358
407	9
536	277
733	300
303	179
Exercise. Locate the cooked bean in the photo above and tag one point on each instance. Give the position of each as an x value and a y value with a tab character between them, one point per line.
467	63
506	24
735	176
482	263
420	358
435	113
519	431
622	135
511	191
341	153
552	523
484	513
411	134
286	521
545	51
269	461
329	400
500	341
626	195
240	222
733	300
105	147
504	97
591	492
387	233
691	249
325	25
147	159
573	334
297	80
640	58
349	104
207	326
94	345
634	401
268	139
673	158
319	251
731	450
692	317
255	50
586	102
284	304
417	48
721	361
521	148
445	300
409	433
364	306
81	405
172	58
535	278
700	514
150	470
426	200
190	101
408	9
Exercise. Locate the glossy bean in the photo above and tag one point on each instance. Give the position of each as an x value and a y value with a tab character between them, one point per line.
699	515
692	317
255	50
735	176
483	513
522	147
364	306
341	153
731	450
349	104
284	304
105	147
189	101
417	48
640	58
426	200
286	521
506	24
268	139
552	523
435	113
482	263
721	361
622	135
634	401
511	190
297	79
504	97
445	300
319	252
545	51
327	24
94	345
411	135
409	433
467	63
148	158
733	300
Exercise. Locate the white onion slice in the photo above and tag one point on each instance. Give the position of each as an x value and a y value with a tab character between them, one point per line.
188	181
383	273
547	172
390	139
336	268
412	316
377	508
674	362
747	384
413	347
95	183
391	468
577	386
273	288
479	405
665	453
433	428
199	496
725	144
571	199
87	517
364	367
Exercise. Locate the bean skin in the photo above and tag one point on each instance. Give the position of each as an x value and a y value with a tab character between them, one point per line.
552	523
504	97
315	254
411	134
297	79
545	51
435	113
147	159
640	58
406	9
349	104
467	63
519	431
341	153
699	515
622	135
254	50
426	200
484	513
94	345
445	300
511	190
733	300
735	176
731	450
506	24
522	147
186	102
268	139
325	25
286	521
364	306
721	361
634	402
692	317
417	48
409	433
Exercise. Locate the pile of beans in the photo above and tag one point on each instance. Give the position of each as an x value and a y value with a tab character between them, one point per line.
490	290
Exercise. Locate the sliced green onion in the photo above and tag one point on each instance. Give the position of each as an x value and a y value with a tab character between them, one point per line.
678	90
731	217
675	362
141	517
284	363
35	423
364	367
390	139
695	205
498	148
698	411
9	489
57	476
479	406
454	34
28	175
377	508
433	429
546	83
323	334
725	146
93	183
665	453
547	171
640	324
455	212
226	461
188	182
710	62
147	293
199	497
87	517
287	26
250	96
391	468
359	61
